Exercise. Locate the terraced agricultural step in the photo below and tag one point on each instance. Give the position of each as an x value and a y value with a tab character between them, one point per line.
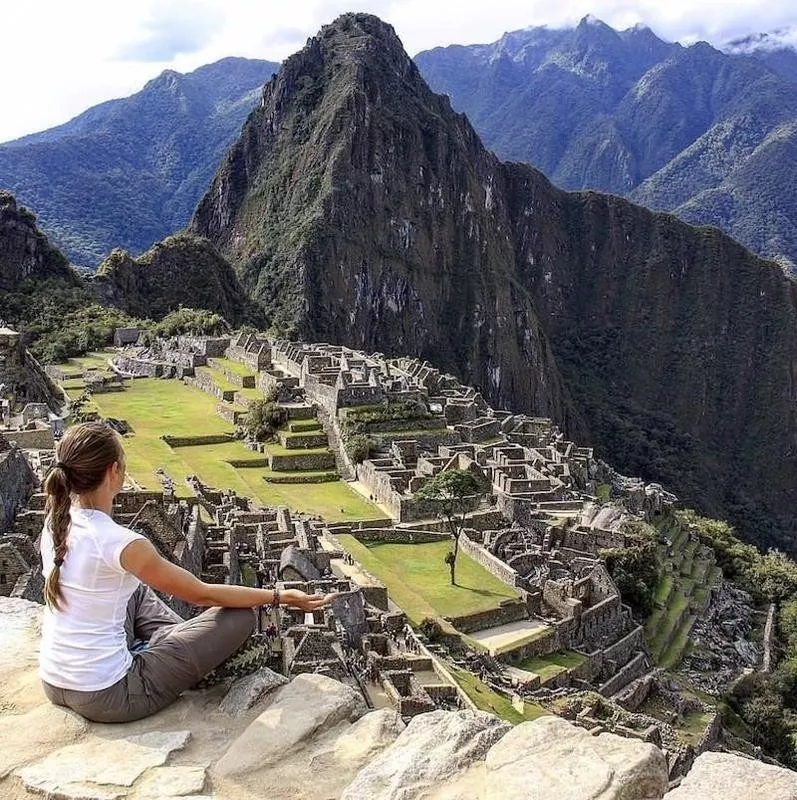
673	653
304	426
300	411
680	540
297	460
303	477
301	441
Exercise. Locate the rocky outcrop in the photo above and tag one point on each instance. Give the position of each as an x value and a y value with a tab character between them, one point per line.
358	208
721	776
182	270
552	758
435	748
24	249
312	738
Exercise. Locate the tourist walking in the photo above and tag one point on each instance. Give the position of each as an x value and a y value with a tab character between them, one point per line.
99	597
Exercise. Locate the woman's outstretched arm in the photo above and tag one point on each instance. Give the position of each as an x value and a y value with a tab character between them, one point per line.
142	560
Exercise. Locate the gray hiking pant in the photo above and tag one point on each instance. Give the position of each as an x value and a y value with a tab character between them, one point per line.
180	653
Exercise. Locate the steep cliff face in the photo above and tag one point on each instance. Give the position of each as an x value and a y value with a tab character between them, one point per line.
24	249
679	346
359	208
181	270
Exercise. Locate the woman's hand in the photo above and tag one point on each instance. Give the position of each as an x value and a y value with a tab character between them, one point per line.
306	602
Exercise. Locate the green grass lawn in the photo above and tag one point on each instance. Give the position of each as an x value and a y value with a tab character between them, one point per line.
156	407
418	579
234	366
554	664
304	425
486	699
98	360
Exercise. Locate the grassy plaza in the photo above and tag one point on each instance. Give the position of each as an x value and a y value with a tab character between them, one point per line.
156	407
417	578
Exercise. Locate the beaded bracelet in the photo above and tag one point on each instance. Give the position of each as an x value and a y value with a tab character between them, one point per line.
275	600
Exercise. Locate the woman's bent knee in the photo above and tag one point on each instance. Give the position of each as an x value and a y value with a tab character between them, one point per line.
241	621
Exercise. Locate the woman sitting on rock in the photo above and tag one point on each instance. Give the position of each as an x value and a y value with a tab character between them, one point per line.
100	578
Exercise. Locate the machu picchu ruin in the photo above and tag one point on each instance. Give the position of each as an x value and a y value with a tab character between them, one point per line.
329	501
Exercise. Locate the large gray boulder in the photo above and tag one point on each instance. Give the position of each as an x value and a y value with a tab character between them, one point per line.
722	776
433	749
250	690
308	705
550	758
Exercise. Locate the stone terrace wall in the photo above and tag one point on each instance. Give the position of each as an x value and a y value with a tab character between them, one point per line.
194	441
630	672
36	439
206	383
399	536
479	621
302	461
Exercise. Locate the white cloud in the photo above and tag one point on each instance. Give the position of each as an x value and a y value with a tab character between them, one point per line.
61	57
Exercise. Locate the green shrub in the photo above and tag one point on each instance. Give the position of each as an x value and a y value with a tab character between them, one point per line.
359	448
192	321
634	568
263	419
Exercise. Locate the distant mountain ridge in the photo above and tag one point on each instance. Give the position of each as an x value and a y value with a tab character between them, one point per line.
128	172
359	208
709	135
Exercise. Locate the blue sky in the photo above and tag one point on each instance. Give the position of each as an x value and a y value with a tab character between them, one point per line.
60	57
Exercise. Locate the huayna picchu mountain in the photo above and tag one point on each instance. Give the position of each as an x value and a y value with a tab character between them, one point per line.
359	208
129	172
708	135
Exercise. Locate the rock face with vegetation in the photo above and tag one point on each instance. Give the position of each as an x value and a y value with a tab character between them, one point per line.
181	270
711	136
182	284
129	172
358	208
354	208
24	249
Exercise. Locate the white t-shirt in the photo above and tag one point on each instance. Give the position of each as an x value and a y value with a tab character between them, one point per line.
84	646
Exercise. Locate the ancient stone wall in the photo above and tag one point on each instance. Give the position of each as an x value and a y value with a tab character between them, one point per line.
244	381
302	461
132	502
620	652
599	620
35	439
205	382
549	641
632	670
503	615
399	536
192	441
207	346
500	569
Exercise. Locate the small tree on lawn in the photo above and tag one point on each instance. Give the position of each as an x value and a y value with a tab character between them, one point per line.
448	490
262	420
